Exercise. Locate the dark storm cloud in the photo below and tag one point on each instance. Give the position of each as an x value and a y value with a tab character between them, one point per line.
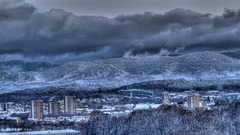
57	33
15	10
113	8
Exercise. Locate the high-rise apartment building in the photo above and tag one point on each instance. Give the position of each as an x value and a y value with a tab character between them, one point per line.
70	104
54	107
193	100
37	109
166	98
6	106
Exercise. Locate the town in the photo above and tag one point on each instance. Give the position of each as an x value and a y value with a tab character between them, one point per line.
74	111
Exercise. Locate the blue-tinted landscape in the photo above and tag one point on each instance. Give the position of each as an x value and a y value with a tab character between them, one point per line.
87	67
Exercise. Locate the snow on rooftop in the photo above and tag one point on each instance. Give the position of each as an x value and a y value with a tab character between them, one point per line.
12	118
145	106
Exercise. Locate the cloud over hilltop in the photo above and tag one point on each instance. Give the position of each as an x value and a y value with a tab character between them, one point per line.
61	36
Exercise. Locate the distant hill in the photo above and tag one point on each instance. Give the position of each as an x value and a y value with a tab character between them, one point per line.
22	66
234	54
192	64
117	72
18	71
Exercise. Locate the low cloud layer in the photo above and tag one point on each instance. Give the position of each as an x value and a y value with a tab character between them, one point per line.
59	36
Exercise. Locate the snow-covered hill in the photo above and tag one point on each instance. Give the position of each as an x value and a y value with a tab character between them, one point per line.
21	66
116	72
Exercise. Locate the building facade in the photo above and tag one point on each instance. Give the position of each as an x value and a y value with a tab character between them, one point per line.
37	109
54	107
70	104
166	98
6	106
193	100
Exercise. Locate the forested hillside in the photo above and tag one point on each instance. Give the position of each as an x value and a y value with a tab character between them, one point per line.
169	120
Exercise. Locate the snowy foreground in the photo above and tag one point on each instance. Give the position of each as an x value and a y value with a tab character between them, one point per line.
47	132
170	120
222	119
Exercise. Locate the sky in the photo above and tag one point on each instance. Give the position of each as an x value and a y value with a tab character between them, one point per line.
60	31
112	8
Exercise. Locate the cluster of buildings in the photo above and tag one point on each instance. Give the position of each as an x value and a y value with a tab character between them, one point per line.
53	107
72	111
75	110
193	99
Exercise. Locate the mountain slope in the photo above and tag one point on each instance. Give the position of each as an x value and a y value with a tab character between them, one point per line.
122	71
21	66
22	72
